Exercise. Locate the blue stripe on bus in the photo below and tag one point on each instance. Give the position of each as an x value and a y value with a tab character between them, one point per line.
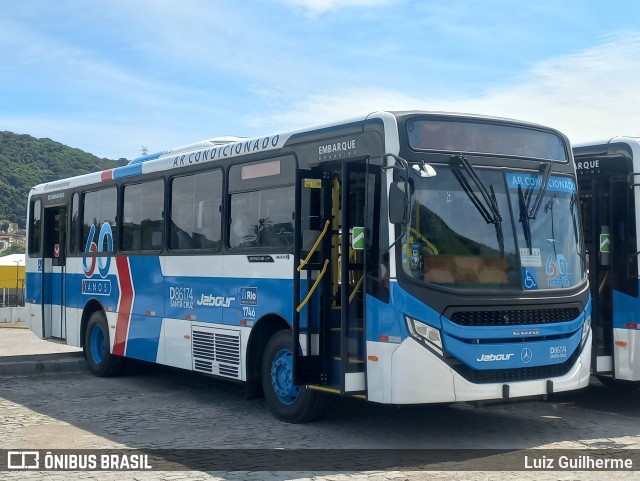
143	337
507	332
147	282
513	354
501	353
127	171
387	319
626	311
205	299
34	287
144	158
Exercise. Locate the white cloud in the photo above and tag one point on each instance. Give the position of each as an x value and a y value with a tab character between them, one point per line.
589	95
316	7
323	108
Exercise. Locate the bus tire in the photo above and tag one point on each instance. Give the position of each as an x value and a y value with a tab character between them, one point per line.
97	348
292	404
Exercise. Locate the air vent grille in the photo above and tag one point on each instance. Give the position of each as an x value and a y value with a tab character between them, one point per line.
216	351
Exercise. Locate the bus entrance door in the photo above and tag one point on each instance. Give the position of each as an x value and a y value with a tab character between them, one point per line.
608	213
312	274
595	201
349	333
53	272
329	280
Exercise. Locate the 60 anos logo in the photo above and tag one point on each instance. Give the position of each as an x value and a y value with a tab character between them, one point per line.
98	287
557	271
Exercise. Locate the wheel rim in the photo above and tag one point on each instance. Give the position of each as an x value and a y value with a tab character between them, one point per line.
282	377
97	344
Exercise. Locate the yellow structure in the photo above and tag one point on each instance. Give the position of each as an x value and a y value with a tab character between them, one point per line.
12	271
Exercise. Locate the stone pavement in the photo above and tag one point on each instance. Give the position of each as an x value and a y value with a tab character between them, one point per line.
168	409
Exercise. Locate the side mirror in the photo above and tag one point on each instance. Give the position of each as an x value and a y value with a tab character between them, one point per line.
397	203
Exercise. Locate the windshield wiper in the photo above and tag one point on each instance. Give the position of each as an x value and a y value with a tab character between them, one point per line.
524	216
576	232
484	212
498	224
489	210
533	213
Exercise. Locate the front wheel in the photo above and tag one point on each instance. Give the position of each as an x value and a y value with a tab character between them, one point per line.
96	348
290	403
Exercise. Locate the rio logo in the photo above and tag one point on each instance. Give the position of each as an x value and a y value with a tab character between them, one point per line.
102	263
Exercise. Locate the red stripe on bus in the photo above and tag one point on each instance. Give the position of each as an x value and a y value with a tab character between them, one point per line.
106	175
124	307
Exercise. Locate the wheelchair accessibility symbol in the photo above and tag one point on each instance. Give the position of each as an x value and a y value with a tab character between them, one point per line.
529	279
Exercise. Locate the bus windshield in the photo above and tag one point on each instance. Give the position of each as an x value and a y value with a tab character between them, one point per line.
451	240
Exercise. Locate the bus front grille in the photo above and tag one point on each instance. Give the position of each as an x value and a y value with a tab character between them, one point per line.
514	317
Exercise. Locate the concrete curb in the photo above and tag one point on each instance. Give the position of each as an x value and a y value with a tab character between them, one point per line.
13	325
42	363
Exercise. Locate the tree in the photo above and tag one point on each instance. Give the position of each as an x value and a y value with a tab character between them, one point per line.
13	249
26	161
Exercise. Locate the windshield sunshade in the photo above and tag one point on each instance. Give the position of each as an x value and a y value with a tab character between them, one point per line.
468	136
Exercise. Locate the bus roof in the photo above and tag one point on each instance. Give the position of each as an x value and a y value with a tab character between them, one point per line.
218	148
622	138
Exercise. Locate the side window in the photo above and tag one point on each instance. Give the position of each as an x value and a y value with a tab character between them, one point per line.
196	217
262	218
75	223
142	219
99	220
35	227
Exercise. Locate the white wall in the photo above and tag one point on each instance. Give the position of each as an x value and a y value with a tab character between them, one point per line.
13	314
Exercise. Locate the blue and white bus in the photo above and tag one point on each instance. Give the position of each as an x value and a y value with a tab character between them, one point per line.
608	181
402	257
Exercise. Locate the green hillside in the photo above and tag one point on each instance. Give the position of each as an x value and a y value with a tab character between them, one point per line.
26	161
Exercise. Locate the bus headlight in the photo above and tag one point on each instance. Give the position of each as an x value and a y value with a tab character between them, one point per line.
424	333
585	330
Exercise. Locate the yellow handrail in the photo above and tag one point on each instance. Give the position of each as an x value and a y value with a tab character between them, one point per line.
315	246
434	249
356	289
603	283
313	288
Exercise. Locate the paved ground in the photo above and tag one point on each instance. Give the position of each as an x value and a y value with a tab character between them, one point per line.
163	408
17	340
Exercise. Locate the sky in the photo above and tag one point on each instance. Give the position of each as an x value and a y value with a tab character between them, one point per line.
112	77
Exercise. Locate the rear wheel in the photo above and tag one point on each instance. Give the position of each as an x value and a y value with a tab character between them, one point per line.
290	403
97	348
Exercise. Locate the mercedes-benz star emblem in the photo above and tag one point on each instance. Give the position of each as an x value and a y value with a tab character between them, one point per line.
526	355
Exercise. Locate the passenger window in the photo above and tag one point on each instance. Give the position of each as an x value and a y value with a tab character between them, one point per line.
99	220
196	213
35	225
262	218
75	224
142	219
